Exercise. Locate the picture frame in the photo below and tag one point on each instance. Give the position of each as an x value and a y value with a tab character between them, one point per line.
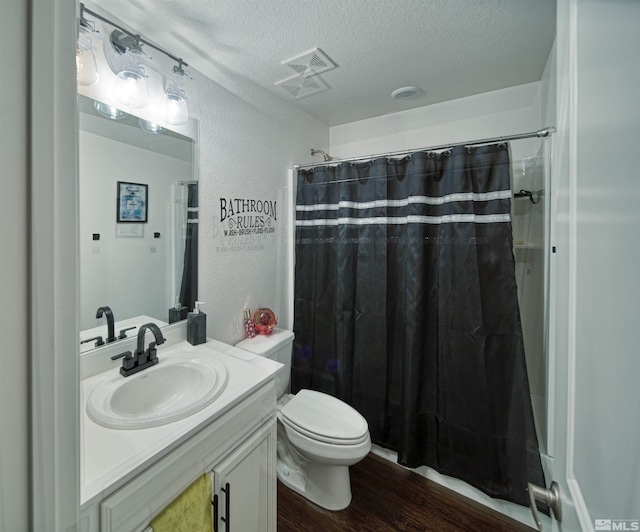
133	202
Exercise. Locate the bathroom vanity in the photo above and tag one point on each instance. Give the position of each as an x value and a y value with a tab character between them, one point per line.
128	476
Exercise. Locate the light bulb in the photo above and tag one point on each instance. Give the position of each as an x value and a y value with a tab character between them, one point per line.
175	110
131	87
86	67
149	127
109	111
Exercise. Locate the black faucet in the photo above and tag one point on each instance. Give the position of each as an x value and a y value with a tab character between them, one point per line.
111	334
123	332
157	333
141	359
98	340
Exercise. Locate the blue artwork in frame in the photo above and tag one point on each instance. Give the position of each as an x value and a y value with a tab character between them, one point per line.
133	202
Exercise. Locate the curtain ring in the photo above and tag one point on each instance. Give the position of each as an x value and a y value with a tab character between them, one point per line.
430	155
502	145
471	150
409	157
447	153
371	162
353	164
390	160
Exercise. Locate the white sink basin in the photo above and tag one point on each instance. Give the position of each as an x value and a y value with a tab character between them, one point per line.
176	387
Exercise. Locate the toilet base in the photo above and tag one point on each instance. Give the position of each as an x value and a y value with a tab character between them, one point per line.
325	485
328	486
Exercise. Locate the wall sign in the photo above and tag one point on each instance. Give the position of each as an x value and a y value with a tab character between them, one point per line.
245	223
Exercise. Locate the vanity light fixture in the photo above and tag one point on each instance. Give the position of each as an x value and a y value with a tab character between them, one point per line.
124	56
174	106
109	111
127	59
131	88
87	69
175	110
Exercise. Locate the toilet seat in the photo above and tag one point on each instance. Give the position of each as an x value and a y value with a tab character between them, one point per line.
324	418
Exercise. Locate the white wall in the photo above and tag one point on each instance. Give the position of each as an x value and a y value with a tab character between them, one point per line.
130	274
504	112
548	86
607	225
14	267
596	288
245	152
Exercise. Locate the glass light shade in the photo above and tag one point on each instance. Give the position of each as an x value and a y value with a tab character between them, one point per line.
131	88
109	111
174	108
86	67
149	127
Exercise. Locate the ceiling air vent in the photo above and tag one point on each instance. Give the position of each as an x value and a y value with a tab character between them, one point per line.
300	87
310	63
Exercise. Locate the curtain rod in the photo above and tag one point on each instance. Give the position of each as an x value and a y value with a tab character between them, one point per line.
541	133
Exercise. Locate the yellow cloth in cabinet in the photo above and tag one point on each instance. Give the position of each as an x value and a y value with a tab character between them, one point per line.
189	512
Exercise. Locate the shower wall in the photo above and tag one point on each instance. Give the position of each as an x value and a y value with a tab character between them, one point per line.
528	223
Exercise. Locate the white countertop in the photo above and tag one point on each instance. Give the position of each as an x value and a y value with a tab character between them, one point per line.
112	457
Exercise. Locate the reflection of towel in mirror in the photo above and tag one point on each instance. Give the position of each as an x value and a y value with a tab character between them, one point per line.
189	512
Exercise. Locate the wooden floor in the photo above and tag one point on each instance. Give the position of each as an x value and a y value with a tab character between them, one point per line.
389	497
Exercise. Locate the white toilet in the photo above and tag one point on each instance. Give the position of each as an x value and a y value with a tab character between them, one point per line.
319	436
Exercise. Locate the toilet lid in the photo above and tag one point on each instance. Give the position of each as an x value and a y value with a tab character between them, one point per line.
324	418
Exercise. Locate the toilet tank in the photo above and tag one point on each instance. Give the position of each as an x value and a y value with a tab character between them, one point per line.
277	346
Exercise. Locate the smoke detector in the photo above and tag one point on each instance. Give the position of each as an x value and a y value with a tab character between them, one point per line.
405	93
310	63
299	87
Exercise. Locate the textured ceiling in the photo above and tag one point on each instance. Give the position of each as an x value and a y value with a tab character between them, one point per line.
448	48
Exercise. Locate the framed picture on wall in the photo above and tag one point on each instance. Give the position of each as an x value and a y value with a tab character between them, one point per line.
133	202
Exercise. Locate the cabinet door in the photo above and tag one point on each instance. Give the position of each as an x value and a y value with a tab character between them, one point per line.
244	486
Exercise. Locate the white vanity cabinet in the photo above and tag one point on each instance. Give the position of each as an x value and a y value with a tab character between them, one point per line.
238	450
244	497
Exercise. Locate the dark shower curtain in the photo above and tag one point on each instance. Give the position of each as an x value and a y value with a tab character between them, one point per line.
406	308
189	285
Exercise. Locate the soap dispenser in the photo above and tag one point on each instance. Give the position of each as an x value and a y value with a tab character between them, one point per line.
197	325
177	313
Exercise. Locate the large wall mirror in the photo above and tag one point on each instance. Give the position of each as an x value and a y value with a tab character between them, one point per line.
138	224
